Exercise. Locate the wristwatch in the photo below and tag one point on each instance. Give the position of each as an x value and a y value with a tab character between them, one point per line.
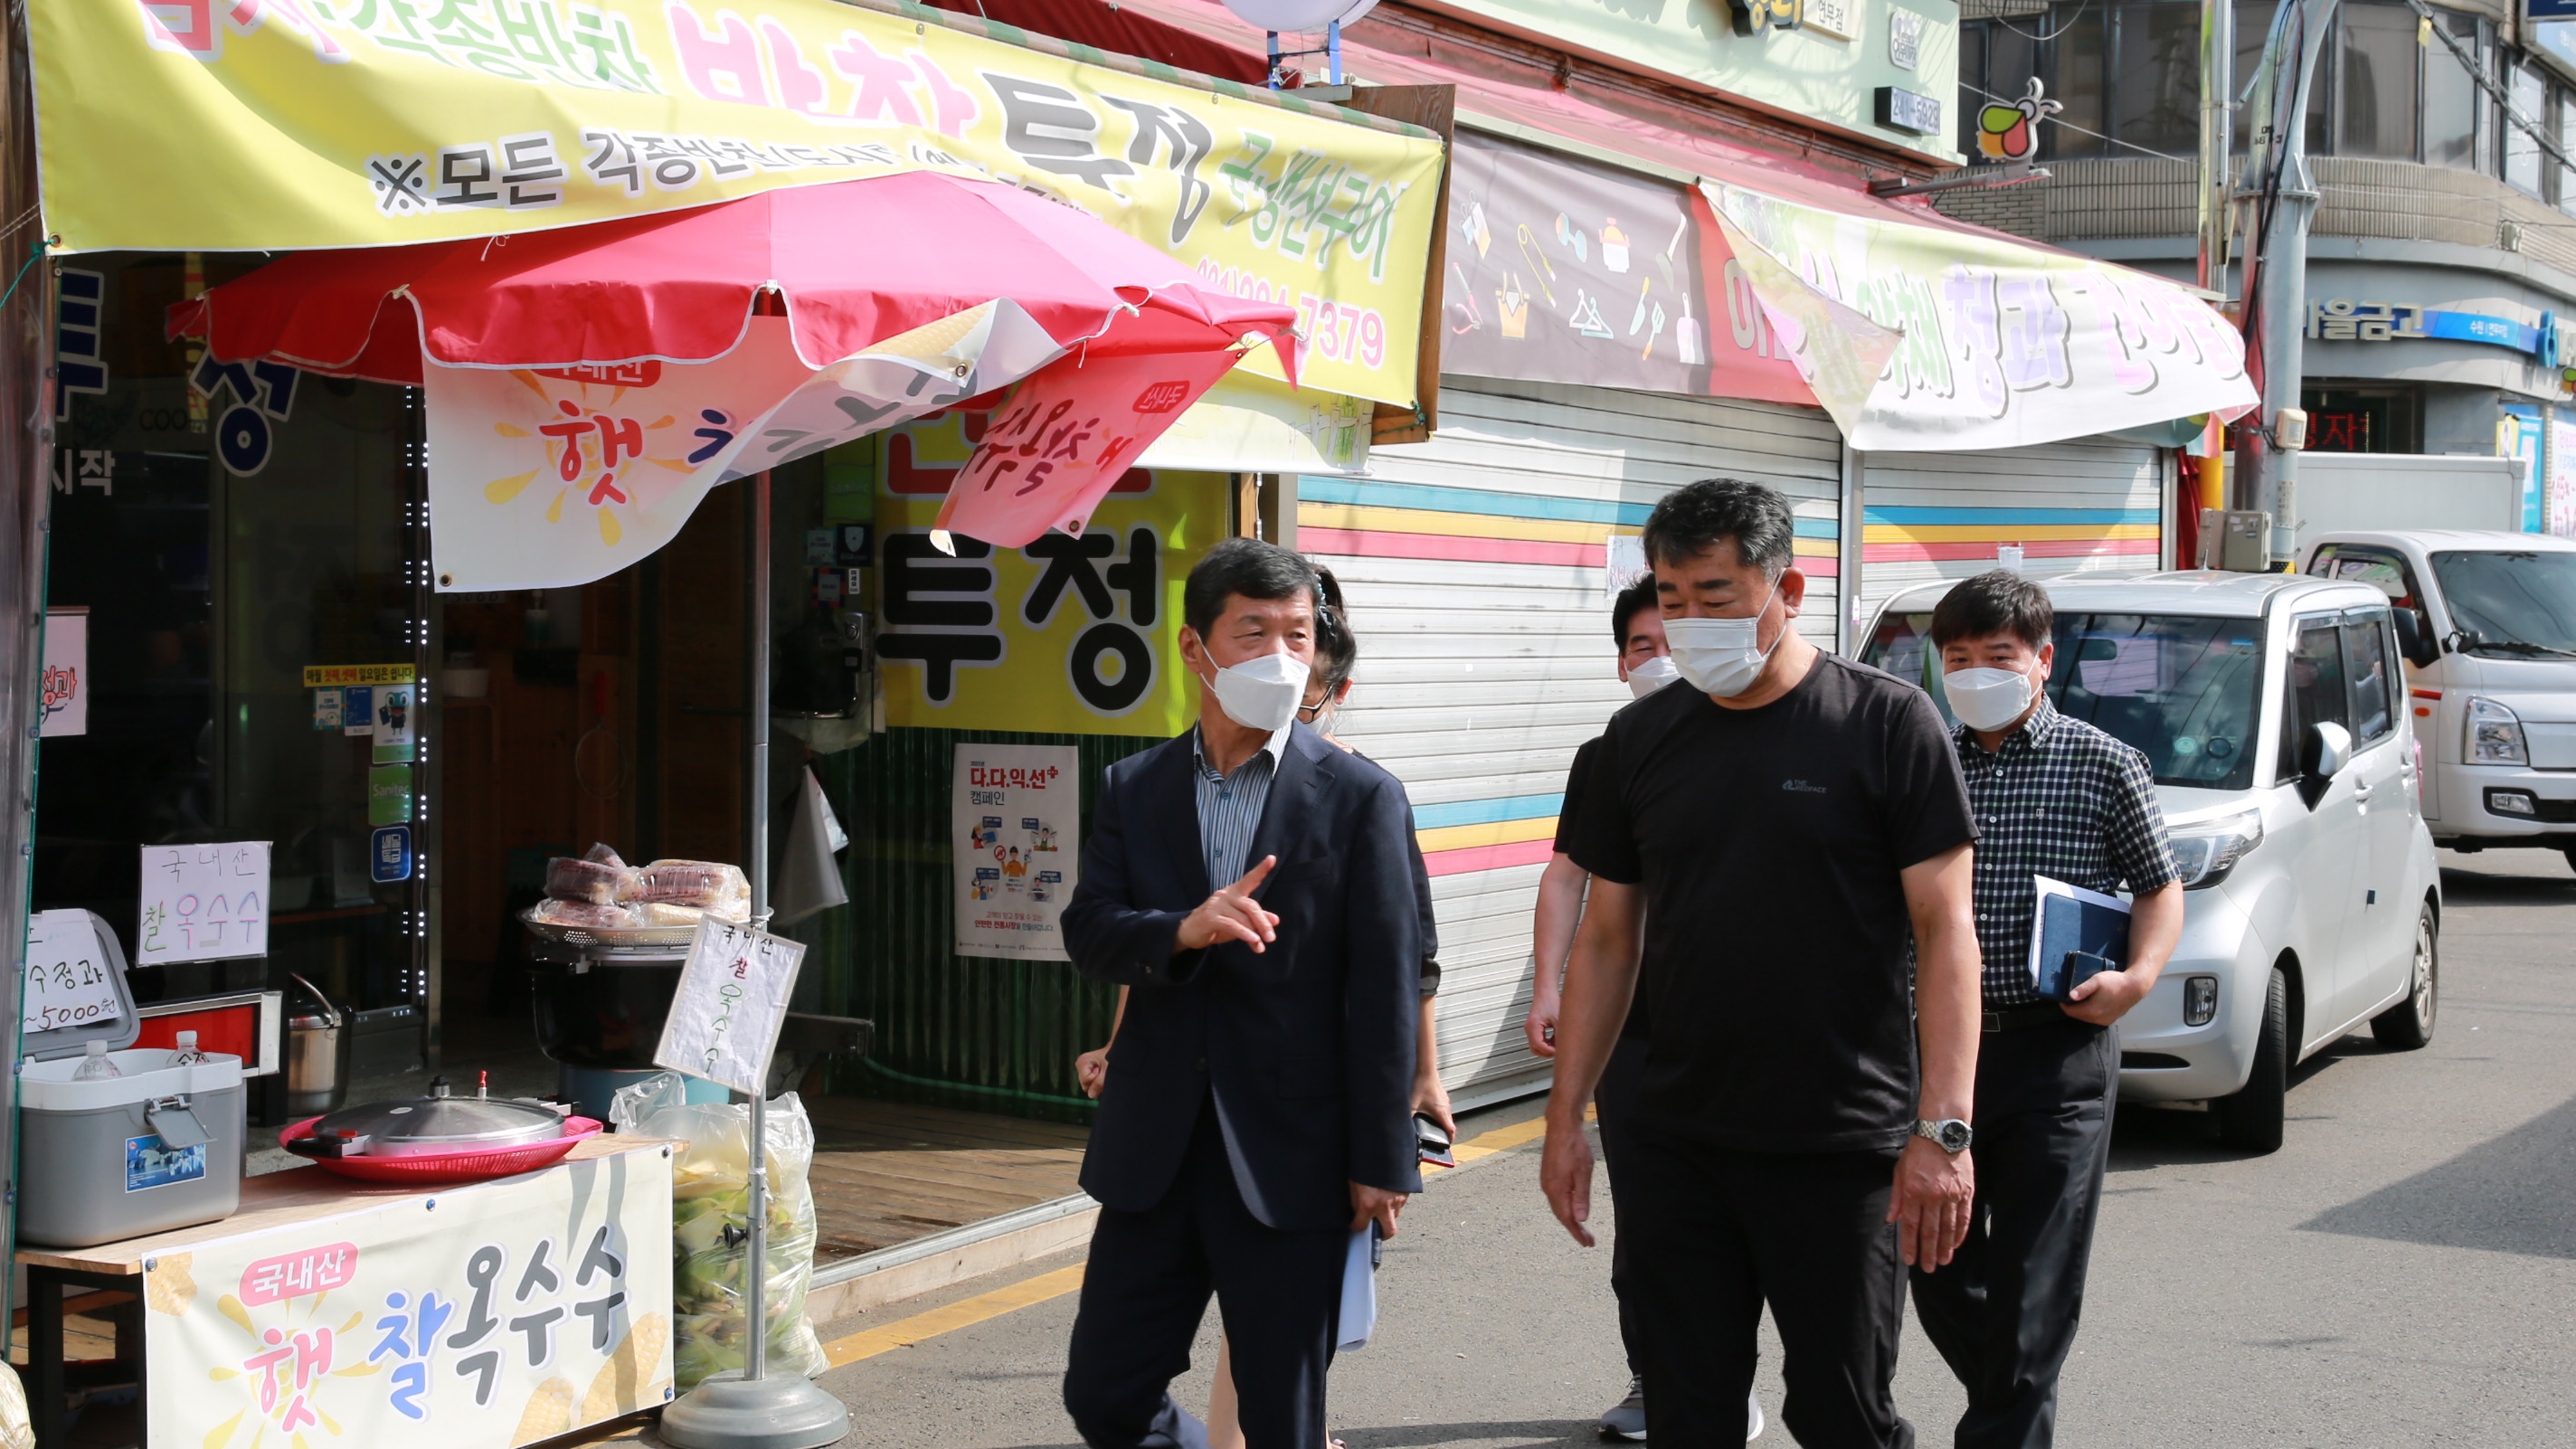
1952	1134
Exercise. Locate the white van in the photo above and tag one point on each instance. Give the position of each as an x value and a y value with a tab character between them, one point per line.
2272	711
2488	627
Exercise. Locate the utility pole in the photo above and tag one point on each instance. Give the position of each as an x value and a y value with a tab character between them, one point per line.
2217	84
2281	193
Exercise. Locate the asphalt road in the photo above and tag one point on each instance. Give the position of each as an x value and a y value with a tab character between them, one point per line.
2403	1272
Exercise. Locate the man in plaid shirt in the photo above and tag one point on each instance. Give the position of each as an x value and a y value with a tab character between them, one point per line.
2053	796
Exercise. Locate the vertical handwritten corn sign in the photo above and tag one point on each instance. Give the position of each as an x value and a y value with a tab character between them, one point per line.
732	999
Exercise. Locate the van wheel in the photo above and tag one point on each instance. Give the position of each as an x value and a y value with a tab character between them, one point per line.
2252	1118
2409	1024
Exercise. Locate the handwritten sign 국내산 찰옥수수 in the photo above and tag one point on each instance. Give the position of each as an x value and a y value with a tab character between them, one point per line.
732	999
70	981
203	902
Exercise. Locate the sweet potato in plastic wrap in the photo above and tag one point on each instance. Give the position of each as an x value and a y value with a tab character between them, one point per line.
710	1213
705	884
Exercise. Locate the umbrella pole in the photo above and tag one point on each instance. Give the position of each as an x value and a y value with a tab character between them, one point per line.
756	861
752	1411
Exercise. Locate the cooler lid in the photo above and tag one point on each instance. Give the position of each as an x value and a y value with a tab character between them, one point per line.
75	989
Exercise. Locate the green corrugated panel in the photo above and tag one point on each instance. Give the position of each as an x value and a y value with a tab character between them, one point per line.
1010	1027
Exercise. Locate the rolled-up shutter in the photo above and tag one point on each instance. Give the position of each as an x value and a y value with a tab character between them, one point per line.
2095	504
1475	568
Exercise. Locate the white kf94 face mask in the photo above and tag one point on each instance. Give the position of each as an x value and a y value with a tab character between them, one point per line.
1262	694
1644	679
1987	699
1721	656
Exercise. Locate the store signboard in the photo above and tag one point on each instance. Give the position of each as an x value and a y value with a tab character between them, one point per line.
478	118
1066	635
1819	61
482	1317
203	902
1017	818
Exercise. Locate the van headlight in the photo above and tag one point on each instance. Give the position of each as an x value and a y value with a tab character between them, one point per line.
2495	735
2206	850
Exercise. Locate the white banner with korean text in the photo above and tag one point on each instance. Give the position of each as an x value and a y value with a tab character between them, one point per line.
481	1317
1920	337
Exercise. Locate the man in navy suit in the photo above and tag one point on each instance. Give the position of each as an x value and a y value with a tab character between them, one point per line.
1253	888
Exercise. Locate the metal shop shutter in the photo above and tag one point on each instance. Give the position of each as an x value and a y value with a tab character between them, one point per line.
2093	504
1475	569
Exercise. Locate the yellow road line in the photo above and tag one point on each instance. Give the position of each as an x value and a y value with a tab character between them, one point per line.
1046	1287
964	1313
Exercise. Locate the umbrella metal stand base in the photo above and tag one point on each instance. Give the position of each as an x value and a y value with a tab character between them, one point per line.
726	1412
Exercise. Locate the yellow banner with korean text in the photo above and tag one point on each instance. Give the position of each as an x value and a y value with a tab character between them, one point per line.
273	125
1067	635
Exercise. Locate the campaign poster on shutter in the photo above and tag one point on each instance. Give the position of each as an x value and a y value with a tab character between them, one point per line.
478	1317
1064	636
1017	826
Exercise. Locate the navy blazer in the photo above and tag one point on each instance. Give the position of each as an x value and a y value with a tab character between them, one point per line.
1306	1048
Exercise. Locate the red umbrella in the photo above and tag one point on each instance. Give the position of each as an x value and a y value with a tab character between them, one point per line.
586	385
857	262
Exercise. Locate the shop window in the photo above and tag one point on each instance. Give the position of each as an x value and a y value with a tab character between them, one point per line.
2562	127
2156	88
2352	420
1997	59
2379	82
2452	100
2529	92
2075	77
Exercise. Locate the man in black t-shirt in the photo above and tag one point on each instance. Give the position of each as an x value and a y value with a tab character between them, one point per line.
1765	841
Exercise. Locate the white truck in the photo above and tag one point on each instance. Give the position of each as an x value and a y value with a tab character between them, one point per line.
2486	621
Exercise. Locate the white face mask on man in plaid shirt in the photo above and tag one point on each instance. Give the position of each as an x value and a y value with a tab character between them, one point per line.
1988	699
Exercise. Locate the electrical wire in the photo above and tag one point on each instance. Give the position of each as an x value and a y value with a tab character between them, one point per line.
2052	35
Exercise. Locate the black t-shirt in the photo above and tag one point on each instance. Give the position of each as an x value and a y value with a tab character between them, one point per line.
1769	843
1576	775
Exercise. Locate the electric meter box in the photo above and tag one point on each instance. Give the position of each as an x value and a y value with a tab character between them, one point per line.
156	1147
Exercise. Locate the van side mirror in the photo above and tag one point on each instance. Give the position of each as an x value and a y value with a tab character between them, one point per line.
2414	641
2322	756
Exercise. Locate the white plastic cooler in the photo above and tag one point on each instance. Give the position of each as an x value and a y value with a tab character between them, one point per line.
157	1147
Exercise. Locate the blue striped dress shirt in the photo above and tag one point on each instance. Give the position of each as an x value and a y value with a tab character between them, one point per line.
1230	805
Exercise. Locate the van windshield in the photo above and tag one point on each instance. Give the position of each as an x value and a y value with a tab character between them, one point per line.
2509	603
2182	689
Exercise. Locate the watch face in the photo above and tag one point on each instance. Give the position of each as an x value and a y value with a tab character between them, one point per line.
1954	1136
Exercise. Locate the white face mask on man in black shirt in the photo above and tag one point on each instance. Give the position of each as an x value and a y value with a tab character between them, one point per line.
1722	656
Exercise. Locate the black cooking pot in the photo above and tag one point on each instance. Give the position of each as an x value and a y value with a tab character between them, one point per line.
605	1014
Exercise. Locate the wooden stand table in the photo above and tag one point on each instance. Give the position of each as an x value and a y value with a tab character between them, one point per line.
303	1265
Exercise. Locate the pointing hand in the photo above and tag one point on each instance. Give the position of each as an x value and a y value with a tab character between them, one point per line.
1232	915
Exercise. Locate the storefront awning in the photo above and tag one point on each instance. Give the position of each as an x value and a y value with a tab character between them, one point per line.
280	125
1916	331
586	386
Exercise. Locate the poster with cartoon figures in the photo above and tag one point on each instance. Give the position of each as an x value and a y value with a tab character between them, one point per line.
1018	812
485	1317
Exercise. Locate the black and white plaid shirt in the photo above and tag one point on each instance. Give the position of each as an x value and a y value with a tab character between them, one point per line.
2064	800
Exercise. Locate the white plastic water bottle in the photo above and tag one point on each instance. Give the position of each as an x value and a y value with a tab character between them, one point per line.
187	1054
95	1065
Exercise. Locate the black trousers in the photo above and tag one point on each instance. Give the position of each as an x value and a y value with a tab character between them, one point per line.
1714	1235
2003	1313
1613	1104
1147	1286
